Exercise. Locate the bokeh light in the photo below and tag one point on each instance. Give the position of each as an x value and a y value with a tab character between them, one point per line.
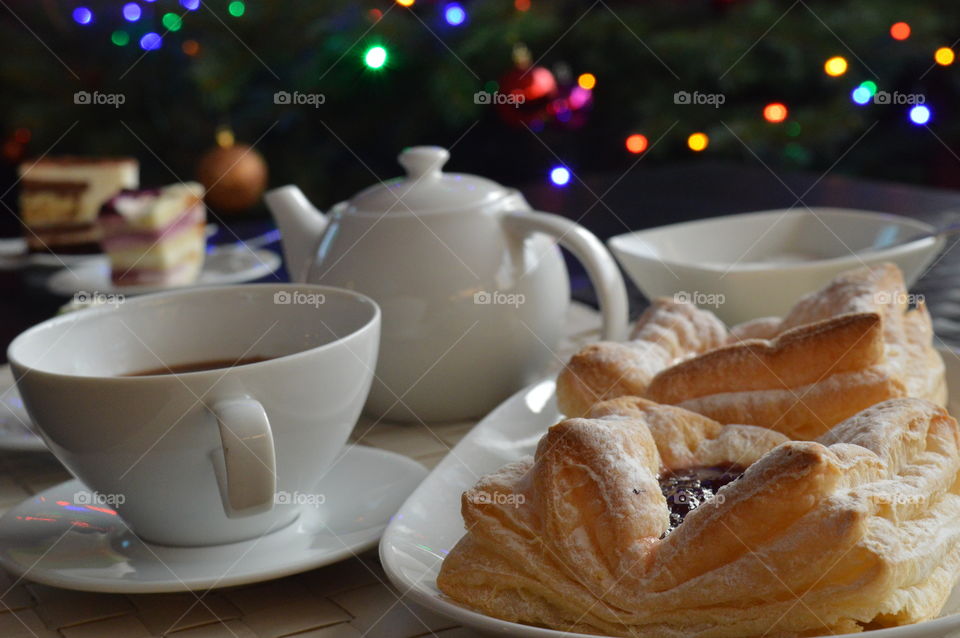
237	8
522	5
637	143
775	112
191	47
120	38
587	81
861	95
375	57
132	12
835	66
150	41
944	56
560	175
82	15
405	3
920	114
900	31
172	21
190	5
698	142
455	14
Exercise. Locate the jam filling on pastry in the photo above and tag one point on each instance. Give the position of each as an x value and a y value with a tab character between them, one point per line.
689	488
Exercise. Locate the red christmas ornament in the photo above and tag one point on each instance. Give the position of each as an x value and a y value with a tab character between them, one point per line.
533	96
528	91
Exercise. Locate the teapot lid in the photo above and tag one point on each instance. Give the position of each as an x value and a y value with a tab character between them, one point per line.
426	187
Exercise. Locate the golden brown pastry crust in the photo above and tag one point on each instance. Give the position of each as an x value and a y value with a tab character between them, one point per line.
666	333
839	350
860	528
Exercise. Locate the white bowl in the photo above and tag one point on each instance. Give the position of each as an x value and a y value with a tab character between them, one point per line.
758	264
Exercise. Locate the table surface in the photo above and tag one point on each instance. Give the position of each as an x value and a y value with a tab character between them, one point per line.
349	599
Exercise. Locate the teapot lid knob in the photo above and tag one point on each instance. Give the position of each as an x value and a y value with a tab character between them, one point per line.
423	162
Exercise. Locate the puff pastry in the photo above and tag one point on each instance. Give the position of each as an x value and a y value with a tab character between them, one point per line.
860	529
846	347
666	333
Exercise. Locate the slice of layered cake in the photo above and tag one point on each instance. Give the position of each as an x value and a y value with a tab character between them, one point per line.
60	198
156	236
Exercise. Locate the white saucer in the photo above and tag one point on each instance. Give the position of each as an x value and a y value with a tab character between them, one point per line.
14	254
49	540
15	424
227	265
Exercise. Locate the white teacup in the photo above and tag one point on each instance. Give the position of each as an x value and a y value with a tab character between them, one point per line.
214	456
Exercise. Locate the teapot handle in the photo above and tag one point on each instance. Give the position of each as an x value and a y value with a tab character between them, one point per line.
601	268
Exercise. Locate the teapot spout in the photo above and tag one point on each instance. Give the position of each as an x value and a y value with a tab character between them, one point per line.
301	226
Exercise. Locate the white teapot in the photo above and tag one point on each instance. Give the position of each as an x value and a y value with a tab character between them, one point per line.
472	287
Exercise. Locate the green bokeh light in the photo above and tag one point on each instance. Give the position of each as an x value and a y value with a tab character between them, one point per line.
172	21
375	57
237	8
120	38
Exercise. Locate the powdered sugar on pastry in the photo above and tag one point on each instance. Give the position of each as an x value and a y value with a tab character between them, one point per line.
666	333
839	350
864	523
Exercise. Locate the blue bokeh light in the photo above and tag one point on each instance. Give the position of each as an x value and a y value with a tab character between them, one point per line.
560	175
150	41
920	114
82	15
861	95
131	12
455	14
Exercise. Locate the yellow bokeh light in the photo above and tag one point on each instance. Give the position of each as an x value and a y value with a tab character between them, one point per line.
835	66
944	56
698	142
405	3
587	81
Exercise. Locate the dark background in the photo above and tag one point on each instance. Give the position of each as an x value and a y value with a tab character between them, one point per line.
222	70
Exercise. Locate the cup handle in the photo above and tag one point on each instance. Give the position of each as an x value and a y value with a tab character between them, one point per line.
601	268
249	470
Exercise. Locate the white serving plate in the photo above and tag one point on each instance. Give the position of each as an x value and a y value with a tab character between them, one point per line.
758	264
229	264
429	523
14	254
